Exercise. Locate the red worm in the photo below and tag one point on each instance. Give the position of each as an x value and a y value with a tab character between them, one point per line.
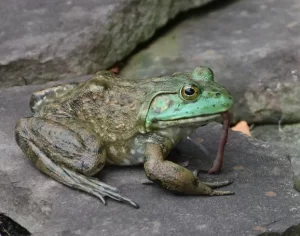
217	165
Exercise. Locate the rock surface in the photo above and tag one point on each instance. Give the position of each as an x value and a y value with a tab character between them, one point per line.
49	40
264	197
288	137
252	46
292	231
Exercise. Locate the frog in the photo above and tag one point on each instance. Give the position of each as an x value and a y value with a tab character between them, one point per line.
76	129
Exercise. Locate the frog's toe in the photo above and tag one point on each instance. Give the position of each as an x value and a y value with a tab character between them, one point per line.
218	184
120	198
98	195
221	193
95	183
101	193
113	195
147	182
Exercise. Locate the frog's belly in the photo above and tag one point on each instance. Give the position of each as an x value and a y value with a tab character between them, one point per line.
133	152
134	158
129	153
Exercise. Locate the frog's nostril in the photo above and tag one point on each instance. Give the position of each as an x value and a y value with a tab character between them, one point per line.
217	94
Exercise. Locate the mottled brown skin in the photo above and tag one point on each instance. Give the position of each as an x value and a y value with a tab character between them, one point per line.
77	129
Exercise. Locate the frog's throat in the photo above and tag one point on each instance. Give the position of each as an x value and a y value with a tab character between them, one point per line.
197	121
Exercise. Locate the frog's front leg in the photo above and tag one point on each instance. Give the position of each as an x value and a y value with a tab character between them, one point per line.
175	177
68	151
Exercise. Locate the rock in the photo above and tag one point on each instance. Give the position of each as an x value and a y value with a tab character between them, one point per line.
252	46
292	231
49	40
264	197
8	227
288	137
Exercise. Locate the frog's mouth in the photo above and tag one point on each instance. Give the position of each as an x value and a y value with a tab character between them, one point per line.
197	120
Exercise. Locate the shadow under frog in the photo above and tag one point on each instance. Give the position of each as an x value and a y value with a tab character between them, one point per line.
76	129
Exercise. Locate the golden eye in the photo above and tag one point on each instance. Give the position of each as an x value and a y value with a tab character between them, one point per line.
189	92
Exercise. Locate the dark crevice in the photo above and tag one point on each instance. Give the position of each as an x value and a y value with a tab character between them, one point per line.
200	11
8	227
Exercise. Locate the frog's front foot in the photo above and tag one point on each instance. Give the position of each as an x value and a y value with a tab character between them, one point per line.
177	178
221	184
218	184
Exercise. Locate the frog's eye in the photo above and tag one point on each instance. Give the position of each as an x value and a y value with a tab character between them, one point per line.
189	92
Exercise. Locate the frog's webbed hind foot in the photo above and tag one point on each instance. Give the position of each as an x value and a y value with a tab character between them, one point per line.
79	181
97	188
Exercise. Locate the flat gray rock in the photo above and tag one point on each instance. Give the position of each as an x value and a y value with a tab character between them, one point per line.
264	197
49	40
252	46
288	137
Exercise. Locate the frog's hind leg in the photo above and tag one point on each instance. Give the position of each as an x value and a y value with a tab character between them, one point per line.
68	152
41	97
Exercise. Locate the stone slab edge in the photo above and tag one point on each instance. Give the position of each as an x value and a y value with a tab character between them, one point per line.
118	29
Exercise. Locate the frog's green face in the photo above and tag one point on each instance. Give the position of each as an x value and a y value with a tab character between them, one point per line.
186	99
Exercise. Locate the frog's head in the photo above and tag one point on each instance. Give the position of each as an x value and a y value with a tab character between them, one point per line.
187	99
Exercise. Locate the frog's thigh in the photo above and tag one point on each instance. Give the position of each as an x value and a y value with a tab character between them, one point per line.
68	143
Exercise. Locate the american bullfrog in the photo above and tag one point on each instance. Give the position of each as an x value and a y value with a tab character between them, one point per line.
77	129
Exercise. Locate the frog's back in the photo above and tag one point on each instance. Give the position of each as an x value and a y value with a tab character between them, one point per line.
42	97
63	97
108	104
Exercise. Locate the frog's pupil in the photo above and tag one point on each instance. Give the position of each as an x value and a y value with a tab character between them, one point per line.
189	91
